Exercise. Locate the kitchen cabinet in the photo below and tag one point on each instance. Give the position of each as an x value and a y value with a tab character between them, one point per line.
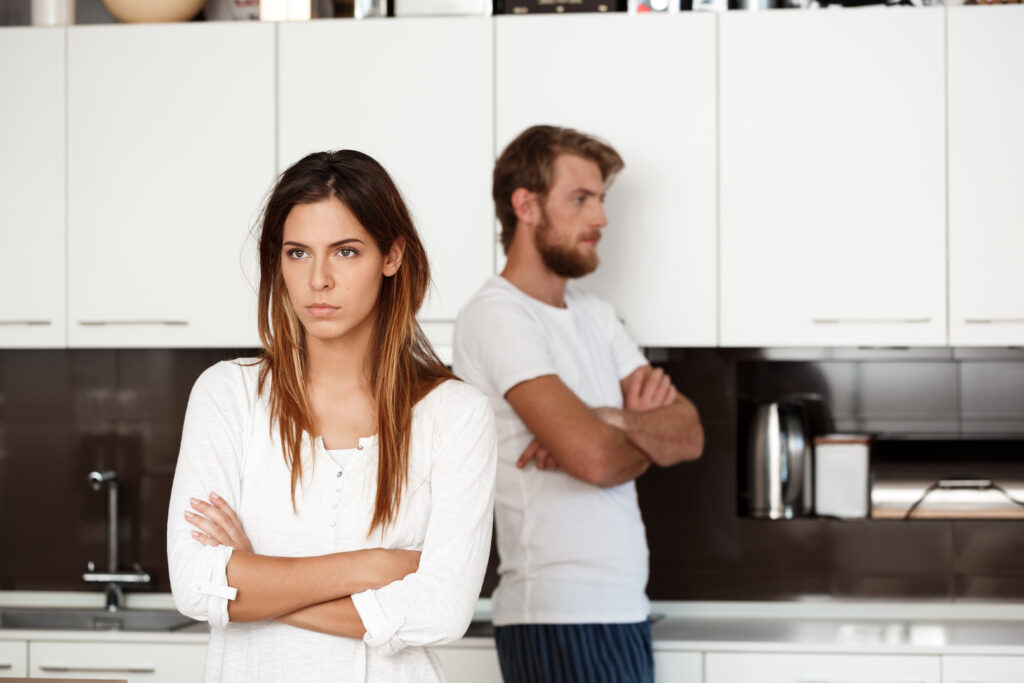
646	84
13	658
416	95
32	198
986	172
470	661
678	667
131	661
722	667
833	218
987	669
170	148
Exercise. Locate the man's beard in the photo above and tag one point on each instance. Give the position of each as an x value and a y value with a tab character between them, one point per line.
563	261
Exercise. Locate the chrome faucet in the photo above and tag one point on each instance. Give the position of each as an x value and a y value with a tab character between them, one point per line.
113	578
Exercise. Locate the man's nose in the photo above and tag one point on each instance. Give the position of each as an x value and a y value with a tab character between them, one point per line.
600	218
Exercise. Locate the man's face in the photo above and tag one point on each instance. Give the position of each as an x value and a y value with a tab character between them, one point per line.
572	217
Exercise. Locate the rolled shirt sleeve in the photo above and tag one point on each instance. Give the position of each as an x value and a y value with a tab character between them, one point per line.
209	461
435	604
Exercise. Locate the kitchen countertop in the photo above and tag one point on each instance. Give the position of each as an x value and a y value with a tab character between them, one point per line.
799	626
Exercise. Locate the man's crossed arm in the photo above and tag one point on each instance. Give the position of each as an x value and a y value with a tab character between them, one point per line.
608	446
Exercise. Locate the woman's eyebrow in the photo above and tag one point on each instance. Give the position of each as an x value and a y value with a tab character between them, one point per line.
348	240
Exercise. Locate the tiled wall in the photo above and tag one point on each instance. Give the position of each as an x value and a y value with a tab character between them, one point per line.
64	413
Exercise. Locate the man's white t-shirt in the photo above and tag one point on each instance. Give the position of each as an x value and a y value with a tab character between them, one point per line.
571	552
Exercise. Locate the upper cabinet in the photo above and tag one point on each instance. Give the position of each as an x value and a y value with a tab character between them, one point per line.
32	204
170	150
646	85
417	96
986	176
833	223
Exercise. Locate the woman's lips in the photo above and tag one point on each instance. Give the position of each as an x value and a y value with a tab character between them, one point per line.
321	310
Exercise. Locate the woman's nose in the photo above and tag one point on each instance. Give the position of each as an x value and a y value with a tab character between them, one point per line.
321	276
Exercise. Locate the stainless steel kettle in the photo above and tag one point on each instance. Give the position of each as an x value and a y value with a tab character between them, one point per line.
779	461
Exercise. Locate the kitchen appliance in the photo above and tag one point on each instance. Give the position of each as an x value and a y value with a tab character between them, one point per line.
779	461
948	477
842	478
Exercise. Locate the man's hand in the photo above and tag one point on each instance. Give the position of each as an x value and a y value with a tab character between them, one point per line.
648	388
540	456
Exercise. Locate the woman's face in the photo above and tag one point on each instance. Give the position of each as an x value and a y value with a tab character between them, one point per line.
333	270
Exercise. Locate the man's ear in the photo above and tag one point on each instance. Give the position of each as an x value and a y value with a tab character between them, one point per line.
393	259
526	204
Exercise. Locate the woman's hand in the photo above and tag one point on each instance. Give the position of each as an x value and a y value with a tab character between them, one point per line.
218	524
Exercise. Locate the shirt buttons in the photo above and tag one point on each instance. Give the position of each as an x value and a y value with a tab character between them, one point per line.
334	506
333	524
337	490
359	447
339	473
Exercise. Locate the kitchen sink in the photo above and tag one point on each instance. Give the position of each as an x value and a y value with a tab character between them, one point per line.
94	619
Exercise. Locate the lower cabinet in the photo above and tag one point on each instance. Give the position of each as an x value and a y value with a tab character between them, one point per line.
678	667
988	669
722	667
133	662
465	663
13	658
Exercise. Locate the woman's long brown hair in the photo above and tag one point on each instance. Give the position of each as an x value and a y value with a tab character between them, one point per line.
403	366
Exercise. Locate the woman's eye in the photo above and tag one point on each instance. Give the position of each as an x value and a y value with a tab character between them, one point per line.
347	252
296	253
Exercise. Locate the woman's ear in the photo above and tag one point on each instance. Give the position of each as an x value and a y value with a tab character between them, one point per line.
393	259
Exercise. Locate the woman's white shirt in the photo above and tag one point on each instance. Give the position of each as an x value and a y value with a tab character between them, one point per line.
230	448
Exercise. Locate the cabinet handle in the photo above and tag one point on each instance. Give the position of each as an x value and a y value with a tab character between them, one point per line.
868	321
994	321
94	323
98	669
862	680
4	666
26	322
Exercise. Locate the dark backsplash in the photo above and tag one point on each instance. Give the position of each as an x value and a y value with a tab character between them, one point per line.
64	413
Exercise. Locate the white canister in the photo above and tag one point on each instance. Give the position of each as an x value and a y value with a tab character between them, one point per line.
842	475
53	12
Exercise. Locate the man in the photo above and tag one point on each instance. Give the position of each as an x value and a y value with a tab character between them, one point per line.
580	414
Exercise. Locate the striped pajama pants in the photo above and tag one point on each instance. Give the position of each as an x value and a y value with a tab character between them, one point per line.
575	653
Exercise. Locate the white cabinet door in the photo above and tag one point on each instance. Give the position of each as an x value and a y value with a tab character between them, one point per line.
645	84
416	95
170	152
13	658
678	667
469	663
723	667
134	662
833	223
986	174
32	197
990	669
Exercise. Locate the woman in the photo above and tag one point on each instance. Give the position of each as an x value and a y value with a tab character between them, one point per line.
337	490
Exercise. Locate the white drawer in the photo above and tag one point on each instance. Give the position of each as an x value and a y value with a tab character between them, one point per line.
992	669
678	667
723	667
13	658
134	662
